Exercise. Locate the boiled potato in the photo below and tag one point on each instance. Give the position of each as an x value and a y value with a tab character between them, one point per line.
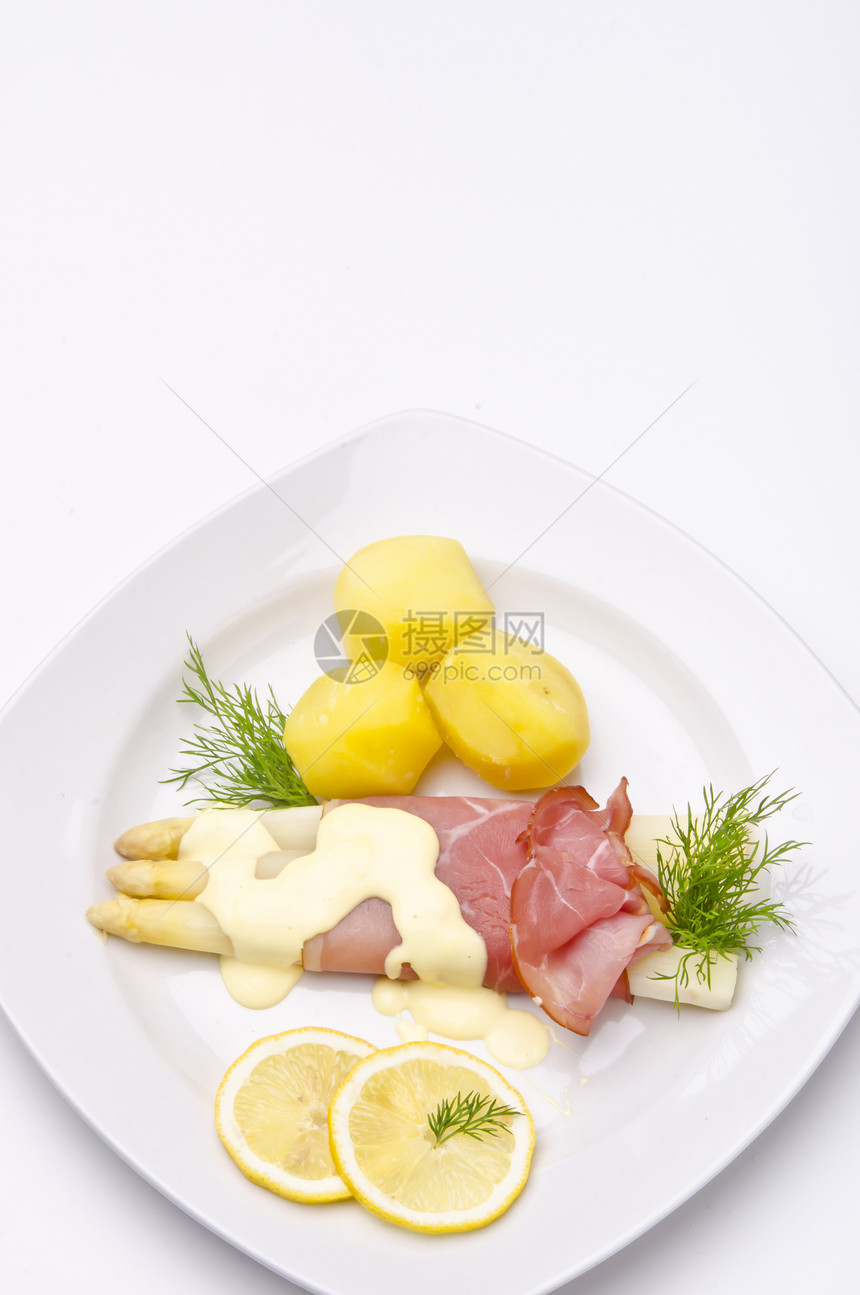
421	588
513	713
372	738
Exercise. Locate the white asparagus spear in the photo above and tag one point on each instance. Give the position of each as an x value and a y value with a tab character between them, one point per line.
182	878
155	875
158	878
293	828
716	995
179	924
156	840
182	924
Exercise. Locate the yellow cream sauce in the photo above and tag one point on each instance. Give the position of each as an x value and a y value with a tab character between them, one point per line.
361	852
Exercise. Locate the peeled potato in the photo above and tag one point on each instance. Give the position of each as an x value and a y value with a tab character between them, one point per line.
513	714
371	738
421	588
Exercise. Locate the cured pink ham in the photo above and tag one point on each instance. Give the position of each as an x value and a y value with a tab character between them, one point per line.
482	849
578	913
551	888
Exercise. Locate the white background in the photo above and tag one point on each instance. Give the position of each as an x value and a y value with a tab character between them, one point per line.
550	217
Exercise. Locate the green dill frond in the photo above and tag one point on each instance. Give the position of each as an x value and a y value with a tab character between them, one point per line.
710	868
476	1116
240	758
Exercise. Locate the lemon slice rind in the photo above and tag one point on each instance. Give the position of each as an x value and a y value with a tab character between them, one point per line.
364	1155
273	1176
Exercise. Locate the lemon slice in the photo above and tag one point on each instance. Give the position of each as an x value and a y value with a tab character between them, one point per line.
389	1156
272	1111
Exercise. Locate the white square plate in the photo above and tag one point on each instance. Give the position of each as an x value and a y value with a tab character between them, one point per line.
690	679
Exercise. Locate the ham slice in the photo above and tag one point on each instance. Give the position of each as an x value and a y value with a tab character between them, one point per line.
482	849
578	913
551	888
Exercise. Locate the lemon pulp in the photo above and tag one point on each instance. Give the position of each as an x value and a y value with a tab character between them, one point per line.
272	1111
389	1156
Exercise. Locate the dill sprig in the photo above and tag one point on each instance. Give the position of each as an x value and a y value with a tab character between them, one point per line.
476	1116
710	872
240	758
